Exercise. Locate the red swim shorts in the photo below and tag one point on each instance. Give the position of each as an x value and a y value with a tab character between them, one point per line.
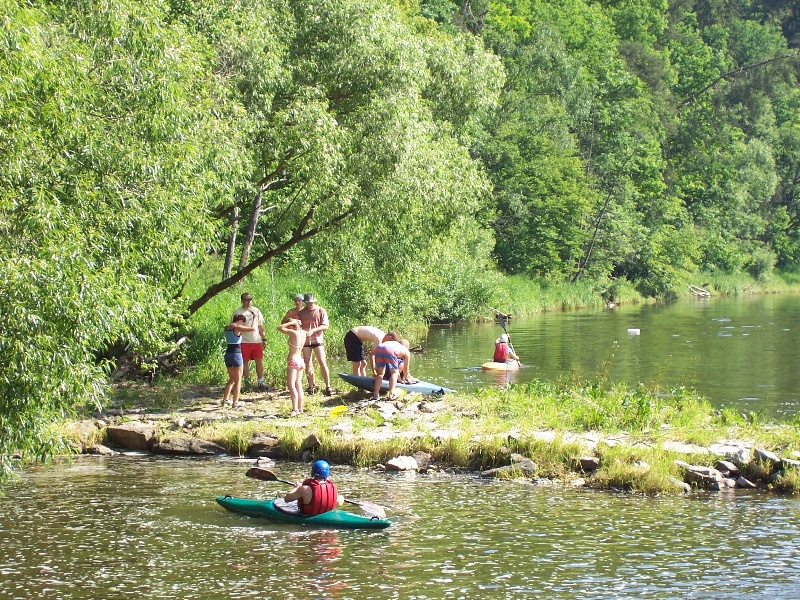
252	351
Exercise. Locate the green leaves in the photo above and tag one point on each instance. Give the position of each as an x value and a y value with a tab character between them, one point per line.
107	181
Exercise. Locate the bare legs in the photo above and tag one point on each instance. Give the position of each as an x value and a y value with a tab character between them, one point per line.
360	368
294	381
319	354
233	385
393	374
259	369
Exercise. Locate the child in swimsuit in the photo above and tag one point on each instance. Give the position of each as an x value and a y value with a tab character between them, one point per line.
294	362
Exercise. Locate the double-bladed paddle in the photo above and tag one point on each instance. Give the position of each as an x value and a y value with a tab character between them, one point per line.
502	318
267	475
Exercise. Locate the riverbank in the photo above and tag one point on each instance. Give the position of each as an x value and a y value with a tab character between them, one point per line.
578	435
198	360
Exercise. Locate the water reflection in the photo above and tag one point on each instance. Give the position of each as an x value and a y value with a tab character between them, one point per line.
312	556
739	352
132	528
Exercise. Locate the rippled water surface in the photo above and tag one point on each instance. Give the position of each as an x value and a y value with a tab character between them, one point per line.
145	527
740	352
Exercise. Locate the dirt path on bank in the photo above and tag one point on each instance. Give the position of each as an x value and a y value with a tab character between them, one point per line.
134	399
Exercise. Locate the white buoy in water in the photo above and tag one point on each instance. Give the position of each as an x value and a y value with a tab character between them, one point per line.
634	331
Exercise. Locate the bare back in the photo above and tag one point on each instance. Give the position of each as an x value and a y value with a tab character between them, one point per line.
297	338
367	333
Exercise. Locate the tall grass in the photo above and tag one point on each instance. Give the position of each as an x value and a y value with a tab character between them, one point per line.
587	406
273	295
520	295
736	284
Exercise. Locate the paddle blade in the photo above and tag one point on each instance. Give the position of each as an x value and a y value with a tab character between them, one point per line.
338	411
371	508
261	474
501	319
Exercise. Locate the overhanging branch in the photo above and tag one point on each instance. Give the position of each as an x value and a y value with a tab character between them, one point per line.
733	73
297	236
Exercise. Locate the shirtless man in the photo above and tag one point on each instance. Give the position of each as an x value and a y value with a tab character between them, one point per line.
315	322
294	313
354	347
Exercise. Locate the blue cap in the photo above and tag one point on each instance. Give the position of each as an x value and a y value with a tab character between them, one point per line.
321	468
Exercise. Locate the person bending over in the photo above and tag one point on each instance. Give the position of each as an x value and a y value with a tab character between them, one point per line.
354	347
390	355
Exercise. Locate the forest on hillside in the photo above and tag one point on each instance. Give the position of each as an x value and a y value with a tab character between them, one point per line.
410	152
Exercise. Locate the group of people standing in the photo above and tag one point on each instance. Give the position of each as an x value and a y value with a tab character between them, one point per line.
304	325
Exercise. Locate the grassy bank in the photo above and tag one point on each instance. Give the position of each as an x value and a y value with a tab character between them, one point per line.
518	295
549	423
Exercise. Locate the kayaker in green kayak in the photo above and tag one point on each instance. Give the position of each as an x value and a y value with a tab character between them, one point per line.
318	494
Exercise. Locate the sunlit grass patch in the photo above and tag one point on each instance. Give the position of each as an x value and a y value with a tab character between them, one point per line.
788	481
235	436
367	453
587	407
637	469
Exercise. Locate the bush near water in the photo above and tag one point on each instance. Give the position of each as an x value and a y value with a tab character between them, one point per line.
403	158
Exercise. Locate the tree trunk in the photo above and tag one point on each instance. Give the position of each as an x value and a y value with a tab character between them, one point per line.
226	271
251	231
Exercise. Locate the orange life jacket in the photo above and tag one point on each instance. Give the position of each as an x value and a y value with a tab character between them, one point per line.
323	497
500	352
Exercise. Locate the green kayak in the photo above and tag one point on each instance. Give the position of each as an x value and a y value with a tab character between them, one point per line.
277	510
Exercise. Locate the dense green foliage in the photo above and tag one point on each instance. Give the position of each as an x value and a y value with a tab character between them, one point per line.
403	155
644	140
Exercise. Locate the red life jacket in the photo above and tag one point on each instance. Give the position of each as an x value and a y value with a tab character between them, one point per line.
323	497
500	352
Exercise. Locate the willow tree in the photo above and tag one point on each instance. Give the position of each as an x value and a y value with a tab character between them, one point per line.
354	113
132	130
111	162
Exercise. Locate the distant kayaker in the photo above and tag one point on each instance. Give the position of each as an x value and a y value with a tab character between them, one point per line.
294	362
354	347
233	359
318	494
392	355
502	350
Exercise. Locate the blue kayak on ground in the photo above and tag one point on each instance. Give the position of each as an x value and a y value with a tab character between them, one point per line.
422	387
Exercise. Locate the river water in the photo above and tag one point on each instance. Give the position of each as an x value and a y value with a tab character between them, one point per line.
140	526
146	527
741	352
